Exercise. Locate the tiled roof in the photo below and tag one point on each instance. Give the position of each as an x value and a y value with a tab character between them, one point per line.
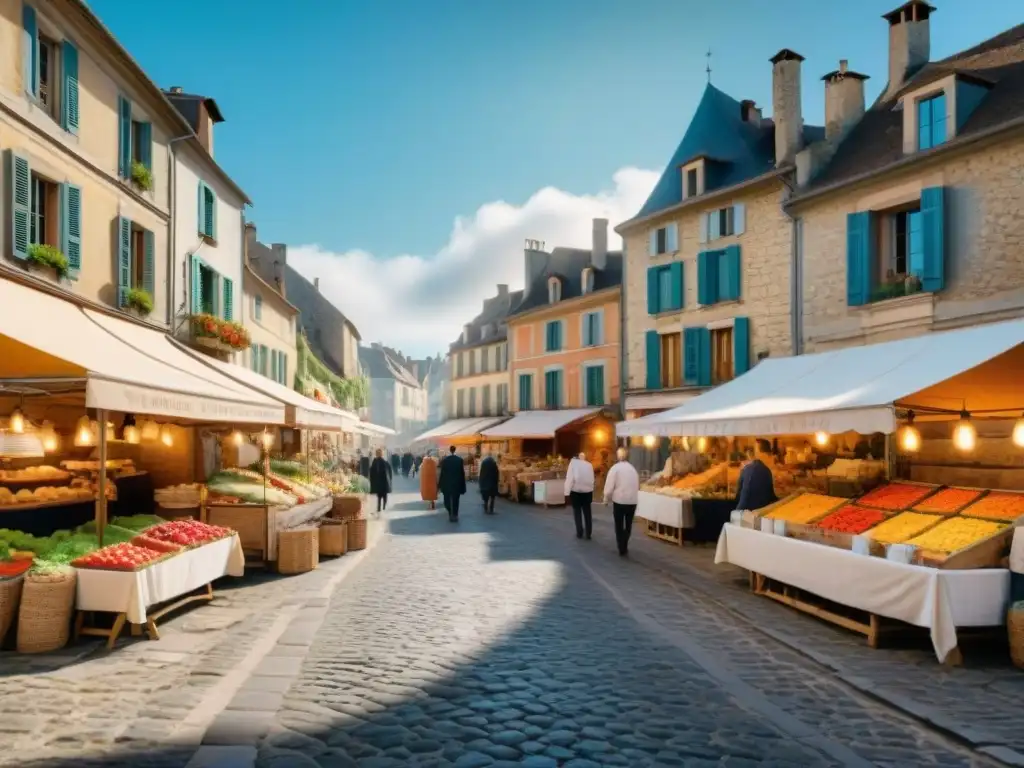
378	363
491	320
567	264
877	140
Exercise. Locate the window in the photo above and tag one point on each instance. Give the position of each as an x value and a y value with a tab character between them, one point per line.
723	222
553	336
50	71
587	281
671	360
208	279
663	240
458	365
472	401
718	275
594	384
906	254
405	394
502	405
472	362
485	360
135	258
134	140
665	288
257	307
47	61
264	359
721	355
485	400
691	182
207	212
44	213
592	322
138	255
554	290
931	121
525	391
553	389
43	219
460	403
502	357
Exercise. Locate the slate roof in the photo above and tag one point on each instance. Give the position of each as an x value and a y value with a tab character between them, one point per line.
877	140
568	264
492	319
378	363
740	150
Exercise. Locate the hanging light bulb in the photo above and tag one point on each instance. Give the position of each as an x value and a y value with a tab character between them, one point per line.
1018	433
150	430
111	435
649	441
237	438
48	435
17	422
165	435
702	444
821	438
132	435
965	436
909	437
268	440
83	432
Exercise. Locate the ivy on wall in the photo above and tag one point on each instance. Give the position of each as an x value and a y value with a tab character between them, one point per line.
353	393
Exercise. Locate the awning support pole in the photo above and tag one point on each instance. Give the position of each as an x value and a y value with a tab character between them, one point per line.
101	501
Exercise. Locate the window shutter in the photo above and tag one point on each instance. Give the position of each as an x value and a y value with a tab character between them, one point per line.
714	225
676	270
71	227
124	259
653	344
146	144
211	213
21	204
201	209
858	258
254	358
672	238
707	277
197	285
229	299
652	243
741	345
739	218
149	263
704	357
263	359
933	226
691	355
70	90
30	49
273	364
598	331
703	228
730	264
124	137
525	387
652	288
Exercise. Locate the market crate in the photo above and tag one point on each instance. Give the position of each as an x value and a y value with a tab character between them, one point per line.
809	507
251	521
949	500
811	533
987	551
333	537
346	506
914	523
898	496
1001	506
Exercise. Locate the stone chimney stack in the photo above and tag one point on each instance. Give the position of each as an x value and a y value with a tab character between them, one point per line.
249	246
787	113
599	244
502	290
535	259
844	101
465	333
909	42
316	284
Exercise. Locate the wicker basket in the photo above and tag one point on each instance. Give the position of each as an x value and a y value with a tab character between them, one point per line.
333	537
347	507
10	597
357	534
298	550
44	617
1015	633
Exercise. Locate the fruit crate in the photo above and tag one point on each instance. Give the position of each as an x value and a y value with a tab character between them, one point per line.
949	500
897	496
999	506
985	552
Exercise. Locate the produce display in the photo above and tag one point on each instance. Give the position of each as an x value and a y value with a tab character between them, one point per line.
187	533
157	545
954	534
119	557
896	496
904	526
805	508
997	505
948	501
851	519
184	495
246	487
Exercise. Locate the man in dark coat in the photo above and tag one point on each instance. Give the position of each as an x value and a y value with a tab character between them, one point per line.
488	482
406	463
396	463
452	482
756	486
364	466
380	480
416	465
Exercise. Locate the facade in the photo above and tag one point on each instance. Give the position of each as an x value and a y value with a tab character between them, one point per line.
912	223
332	336
266	312
397	399
87	179
564	334
479	360
432	374
708	284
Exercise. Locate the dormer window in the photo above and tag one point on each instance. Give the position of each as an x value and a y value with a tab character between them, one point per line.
554	290
937	112
587	280
931	121
693	179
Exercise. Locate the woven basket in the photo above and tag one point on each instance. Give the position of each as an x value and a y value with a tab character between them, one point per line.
333	537
10	597
44	617
298	550
346	507
357	534
1015	633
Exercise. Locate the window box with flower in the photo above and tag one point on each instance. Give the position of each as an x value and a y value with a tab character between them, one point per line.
218	334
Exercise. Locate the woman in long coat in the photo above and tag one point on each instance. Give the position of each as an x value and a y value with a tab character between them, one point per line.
428	480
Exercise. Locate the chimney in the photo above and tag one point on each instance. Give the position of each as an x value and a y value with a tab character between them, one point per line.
176	89
250	241
844	101
502	290
599	244
316	284
535	259
909	42
786	106
465	333
749	112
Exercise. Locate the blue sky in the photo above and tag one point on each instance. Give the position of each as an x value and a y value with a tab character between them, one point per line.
372	125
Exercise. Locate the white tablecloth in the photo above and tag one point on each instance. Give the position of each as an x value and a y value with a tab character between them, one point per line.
925	597
549	492
133	592
667	510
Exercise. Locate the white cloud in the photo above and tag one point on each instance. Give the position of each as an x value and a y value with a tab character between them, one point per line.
418	304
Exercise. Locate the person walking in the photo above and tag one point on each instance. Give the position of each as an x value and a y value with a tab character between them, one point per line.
416	465
406	463
579	485
622	488
428	481
488	481
452	482
380	480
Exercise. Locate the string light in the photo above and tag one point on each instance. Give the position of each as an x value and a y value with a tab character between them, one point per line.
821	438
965	436
17	423
649	441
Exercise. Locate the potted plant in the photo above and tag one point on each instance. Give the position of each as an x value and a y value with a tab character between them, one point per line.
48	257
142	177
222	335
234	335
139	300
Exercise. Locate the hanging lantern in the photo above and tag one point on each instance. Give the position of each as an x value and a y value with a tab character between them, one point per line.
83	432
150	430
48	436
965	436
1018	433
165	435
649	441
702	444
111	434
909	437
132	435
268	440
821	438
237	438
17	422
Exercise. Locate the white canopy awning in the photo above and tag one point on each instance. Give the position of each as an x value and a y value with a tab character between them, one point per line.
301	411
461	427
858	388
538	424
125	367
374	430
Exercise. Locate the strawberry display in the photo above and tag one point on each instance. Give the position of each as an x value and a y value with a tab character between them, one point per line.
895	496
118	557
187	533
157	545
851	519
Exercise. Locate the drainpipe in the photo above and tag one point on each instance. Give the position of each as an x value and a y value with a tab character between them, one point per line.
623	370
171	234
796	275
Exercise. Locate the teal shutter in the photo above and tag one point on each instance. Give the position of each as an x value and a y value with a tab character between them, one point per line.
70	89
21	204
703	336
229	299
730	279
707	277
149	263
197	285
672	238
207	211
595	385
146	144
676	277
741	345
124	259
858	258
124	137
254	358
691	355
933	225
652	290
282	368
273	364
201	209
30	49
653	344
71	227
525	392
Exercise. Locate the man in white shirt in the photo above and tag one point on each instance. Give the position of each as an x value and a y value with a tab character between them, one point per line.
622	488
579	485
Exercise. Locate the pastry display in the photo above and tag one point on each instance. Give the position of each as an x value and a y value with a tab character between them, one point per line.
33	475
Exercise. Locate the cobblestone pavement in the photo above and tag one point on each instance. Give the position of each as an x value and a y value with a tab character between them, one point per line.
504	641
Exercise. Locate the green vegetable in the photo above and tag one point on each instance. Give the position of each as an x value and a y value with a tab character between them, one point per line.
137	523
291	469
112	534
5	552
358	484
248	490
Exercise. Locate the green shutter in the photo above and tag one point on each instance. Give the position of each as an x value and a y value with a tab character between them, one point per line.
254	358
229	299
933	226
70	89
273	364
595	385
652	290
525	392
30	49
124	137
207	211
858	258
21	205
201	208
652	343
71	227
197	285
149	263
691	355
146	144
741	345
707	277
730	282
676	271
703	357
124	259
282	368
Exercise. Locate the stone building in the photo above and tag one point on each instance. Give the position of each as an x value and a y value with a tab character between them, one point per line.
397	398
333	338
266	312
479	360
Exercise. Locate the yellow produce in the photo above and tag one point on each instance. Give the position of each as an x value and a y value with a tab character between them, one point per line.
955	534
904	526
805	508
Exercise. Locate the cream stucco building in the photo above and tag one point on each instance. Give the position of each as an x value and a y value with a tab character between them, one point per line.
479	361
266	312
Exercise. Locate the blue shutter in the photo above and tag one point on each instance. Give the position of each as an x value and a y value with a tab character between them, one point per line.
652	290
741	345
525	392
124	137
229	299
858	258
691	355
146	144
672	238
71	227
149	263
653	344
676	271
703	336
30	49
933	225
729	264
21	205
707	277
124	259
197	285
69	118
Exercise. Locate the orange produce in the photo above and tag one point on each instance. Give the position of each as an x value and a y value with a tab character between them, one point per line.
805	508
895	496
997	506
904	526
948	501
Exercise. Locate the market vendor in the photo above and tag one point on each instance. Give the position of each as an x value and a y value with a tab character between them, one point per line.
756	486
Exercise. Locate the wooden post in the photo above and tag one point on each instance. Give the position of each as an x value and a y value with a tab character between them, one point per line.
101	502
